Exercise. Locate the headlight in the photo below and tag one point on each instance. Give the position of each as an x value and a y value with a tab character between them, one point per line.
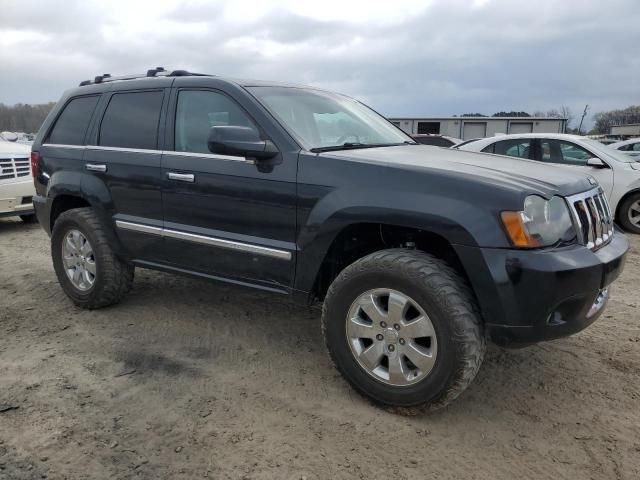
541	223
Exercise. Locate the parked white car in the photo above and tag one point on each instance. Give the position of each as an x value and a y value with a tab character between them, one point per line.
629	147
16	184
617	173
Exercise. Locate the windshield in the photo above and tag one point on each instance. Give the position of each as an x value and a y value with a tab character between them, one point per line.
327	121
605	150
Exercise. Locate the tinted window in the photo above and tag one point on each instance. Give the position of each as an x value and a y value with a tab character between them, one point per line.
437	141
198	111
131	120
560	151
73	121
520	148
636	147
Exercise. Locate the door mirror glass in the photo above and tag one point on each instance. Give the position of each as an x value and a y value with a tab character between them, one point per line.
239	141
596	163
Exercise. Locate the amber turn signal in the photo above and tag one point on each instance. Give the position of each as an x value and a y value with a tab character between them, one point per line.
514	224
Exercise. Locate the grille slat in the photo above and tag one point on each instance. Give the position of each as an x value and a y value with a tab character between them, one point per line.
14	168
592	217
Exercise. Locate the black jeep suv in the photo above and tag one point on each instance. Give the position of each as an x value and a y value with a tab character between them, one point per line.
419	253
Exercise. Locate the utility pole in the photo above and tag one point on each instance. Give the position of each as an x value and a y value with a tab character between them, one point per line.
584	114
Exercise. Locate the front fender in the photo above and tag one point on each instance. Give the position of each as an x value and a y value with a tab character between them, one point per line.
455	220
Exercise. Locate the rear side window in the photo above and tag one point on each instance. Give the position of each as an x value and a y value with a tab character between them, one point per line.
72	123
520	148
131	120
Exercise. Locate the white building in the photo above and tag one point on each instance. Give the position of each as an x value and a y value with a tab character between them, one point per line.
479	127
629	130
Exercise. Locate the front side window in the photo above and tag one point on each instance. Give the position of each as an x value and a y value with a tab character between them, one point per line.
325	120
636	147
561	151
72	123
131	120
198	111
520	148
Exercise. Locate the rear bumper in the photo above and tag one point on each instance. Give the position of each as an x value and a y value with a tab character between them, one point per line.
16	198
532	296
42	208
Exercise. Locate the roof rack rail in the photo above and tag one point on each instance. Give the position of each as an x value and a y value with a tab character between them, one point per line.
154	72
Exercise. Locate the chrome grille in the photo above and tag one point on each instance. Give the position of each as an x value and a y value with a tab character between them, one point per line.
592	217
14	168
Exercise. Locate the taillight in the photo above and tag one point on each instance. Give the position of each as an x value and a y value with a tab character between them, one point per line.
35	164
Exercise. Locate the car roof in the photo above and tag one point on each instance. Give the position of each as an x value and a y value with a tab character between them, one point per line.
624	142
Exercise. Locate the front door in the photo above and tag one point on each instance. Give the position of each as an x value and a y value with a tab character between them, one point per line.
570	156
225	216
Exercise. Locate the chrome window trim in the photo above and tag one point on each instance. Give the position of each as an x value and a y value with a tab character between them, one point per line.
152	151
205	240
206	155
121	149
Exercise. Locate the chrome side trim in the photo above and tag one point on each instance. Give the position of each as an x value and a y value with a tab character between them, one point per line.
205	240
137	227
228	244
61	145
152	151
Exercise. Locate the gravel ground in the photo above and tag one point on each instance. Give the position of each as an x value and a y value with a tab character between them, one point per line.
189	379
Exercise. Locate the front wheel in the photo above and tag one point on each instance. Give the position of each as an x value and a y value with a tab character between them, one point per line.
87	268
629	213
403	328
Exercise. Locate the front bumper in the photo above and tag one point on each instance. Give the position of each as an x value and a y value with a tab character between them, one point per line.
527	296
16	198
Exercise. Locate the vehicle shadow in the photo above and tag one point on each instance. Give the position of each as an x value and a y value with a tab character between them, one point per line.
14	224
205	321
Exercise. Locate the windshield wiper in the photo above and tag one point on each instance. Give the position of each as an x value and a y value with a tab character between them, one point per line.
353	145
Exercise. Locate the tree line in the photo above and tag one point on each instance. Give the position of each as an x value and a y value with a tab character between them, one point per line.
28	118
23	117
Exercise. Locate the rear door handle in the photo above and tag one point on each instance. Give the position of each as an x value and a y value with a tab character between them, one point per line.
94	167
182	177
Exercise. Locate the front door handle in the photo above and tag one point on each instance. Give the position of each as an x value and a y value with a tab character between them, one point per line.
94	167
182	177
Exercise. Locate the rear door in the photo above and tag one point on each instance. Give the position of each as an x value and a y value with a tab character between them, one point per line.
573	157
123	160
226	216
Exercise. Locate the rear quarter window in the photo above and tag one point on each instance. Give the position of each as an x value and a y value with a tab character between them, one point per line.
71	126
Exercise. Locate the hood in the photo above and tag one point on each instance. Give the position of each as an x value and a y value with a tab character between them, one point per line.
12	149
494	170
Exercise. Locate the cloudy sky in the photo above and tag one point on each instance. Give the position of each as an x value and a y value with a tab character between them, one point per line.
439	57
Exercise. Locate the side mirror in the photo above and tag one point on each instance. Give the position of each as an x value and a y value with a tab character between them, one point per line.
240	141
596	163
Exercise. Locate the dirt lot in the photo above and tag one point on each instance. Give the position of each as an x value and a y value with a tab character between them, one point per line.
189	379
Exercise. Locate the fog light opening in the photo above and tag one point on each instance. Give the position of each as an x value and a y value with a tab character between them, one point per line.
599	302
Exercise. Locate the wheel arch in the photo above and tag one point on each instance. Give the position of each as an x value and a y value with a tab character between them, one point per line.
356	240
623	199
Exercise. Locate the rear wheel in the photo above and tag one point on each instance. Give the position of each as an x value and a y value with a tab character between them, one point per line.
403	328
88	270
629	213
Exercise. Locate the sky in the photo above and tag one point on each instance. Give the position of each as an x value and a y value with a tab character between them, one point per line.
402	57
